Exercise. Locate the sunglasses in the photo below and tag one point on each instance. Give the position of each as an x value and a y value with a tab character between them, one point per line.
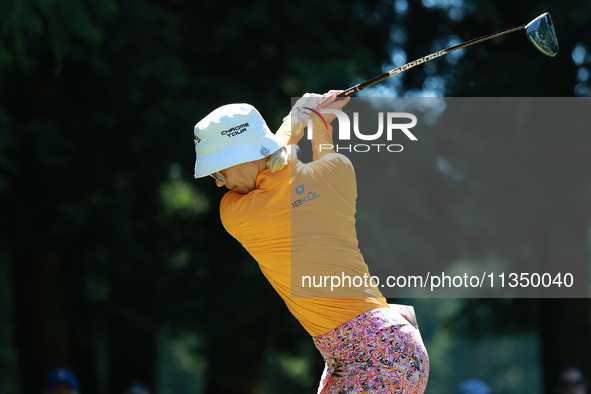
217	175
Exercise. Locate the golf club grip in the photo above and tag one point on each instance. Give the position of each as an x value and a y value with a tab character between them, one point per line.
359	87
349	92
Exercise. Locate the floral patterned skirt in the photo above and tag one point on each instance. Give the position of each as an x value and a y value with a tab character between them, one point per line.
376	352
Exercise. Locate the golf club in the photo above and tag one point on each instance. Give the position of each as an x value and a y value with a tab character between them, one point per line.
540	32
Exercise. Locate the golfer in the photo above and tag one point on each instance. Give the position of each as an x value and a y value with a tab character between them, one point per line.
298	221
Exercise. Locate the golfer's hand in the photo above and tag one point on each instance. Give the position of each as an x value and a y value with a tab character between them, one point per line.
331	102
304	107
300	112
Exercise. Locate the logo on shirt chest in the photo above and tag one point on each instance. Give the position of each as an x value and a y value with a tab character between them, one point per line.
307	198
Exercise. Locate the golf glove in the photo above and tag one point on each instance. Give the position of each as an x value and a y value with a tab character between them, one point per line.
301	112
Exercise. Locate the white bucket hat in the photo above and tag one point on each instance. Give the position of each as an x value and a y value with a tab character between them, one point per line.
231	135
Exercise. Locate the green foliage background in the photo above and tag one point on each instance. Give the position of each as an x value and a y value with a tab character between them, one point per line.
112	258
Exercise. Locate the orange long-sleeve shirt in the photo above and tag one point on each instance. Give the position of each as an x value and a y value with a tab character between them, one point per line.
299	225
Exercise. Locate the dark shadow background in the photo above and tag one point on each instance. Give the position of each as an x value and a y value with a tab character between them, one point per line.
113	260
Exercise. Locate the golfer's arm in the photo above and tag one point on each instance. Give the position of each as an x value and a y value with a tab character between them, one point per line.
290	133
228	216
321	141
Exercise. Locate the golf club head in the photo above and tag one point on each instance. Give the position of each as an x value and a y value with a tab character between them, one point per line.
541	33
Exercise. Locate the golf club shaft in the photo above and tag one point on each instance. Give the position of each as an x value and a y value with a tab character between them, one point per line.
357	88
